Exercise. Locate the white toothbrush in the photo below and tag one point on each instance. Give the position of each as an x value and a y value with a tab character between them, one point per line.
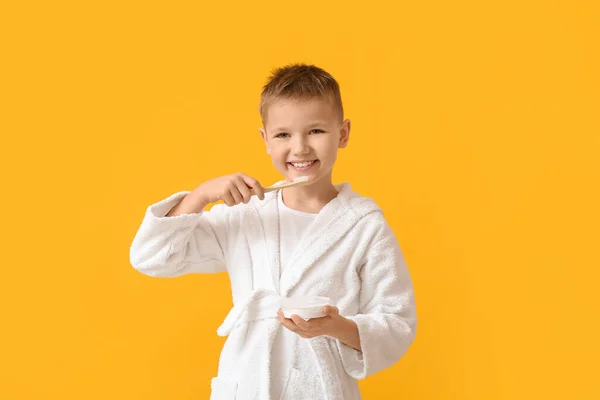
297	182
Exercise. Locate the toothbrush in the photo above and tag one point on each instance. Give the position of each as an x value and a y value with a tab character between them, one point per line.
297	182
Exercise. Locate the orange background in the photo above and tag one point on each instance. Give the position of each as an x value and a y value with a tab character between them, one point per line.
475	126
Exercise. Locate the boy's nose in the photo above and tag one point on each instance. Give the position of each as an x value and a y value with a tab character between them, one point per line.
300	145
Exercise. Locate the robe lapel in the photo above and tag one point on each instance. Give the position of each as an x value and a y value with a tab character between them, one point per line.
333	222
263	241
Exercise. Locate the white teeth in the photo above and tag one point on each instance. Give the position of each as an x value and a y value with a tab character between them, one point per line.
302	165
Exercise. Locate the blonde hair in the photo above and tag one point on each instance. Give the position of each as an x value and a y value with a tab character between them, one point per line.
300	82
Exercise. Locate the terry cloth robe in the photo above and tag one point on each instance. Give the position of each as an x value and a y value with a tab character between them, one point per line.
348	254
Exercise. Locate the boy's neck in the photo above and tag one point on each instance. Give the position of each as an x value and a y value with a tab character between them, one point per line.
311	198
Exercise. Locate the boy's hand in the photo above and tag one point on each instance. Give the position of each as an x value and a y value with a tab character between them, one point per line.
332	324
232	189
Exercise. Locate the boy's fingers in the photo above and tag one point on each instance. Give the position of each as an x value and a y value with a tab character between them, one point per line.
235	193
290	323
228	199
260	192
255	185
331	310
302	324
293	324
244	190
280	315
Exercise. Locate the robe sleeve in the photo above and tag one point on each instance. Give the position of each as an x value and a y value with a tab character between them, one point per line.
174	246
386	320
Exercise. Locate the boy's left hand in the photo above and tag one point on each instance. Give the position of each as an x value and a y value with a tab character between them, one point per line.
332	324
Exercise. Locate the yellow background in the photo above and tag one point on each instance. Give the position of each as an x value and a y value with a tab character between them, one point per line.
475	126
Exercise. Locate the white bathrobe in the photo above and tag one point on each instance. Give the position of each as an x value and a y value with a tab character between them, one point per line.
348	254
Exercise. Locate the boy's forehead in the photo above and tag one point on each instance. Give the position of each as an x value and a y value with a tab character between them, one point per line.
286	111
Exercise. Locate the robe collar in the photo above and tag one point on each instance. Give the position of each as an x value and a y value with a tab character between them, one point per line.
331	224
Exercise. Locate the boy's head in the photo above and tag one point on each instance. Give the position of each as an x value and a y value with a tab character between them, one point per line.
300	82
303	121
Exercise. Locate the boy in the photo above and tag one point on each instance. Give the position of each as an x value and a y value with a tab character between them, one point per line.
318	239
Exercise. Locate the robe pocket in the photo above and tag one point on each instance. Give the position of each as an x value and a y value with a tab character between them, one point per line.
223	389
291	386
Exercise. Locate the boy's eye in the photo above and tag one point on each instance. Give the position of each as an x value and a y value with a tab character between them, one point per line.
282	135
317	131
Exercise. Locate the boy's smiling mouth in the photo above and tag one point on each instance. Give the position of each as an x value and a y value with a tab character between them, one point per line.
303	165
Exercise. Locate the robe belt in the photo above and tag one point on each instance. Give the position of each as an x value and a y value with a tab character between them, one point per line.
263	304
260	304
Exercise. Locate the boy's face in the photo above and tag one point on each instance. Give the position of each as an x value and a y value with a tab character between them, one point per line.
303	137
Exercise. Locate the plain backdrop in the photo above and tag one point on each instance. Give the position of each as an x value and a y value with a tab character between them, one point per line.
475	126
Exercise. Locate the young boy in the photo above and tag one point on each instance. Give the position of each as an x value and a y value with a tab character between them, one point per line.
318	239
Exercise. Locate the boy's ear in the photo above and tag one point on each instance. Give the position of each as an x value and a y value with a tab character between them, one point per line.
344	134
263	135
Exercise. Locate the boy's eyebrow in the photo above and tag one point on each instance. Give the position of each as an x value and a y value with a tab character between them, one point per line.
311	125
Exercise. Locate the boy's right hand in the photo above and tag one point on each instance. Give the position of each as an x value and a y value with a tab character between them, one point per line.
232	189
